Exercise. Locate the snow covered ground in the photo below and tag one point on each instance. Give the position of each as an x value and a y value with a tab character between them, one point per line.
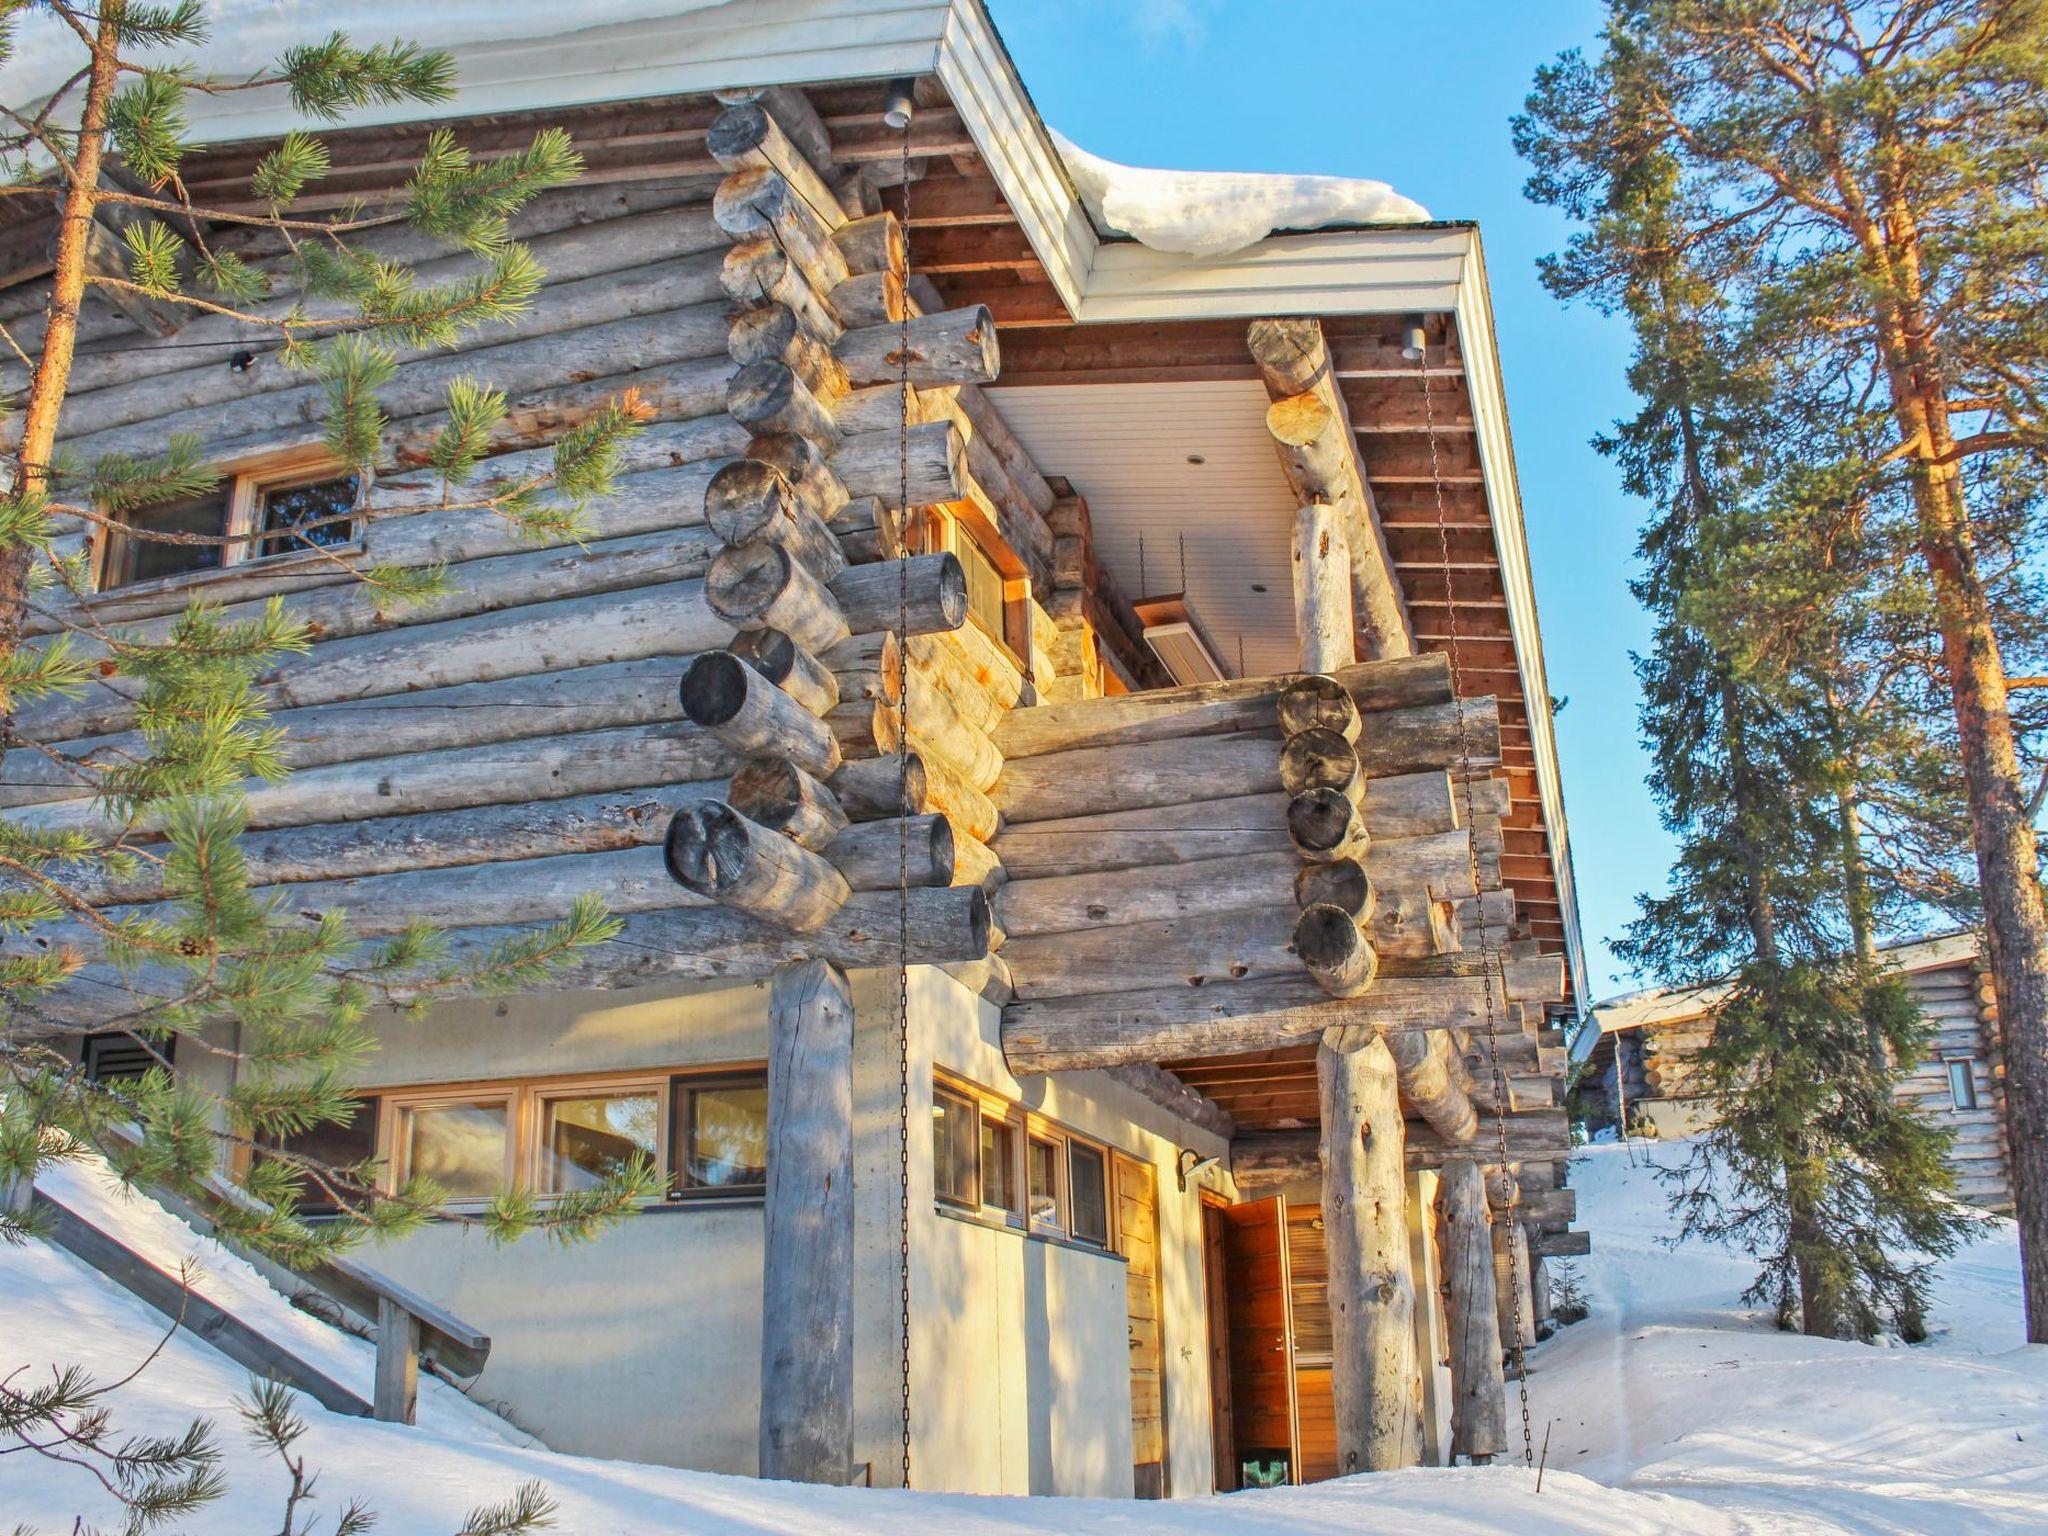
1670	1410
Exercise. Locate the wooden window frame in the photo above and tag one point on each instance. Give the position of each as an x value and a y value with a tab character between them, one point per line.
1027	1126
527	1099
693	1081
620	1086
246	480
395	1106
971	1201
944	529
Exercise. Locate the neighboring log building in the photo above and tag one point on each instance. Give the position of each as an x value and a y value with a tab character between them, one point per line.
1637	1053
1166	697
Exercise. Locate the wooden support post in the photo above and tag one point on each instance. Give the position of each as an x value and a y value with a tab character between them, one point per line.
1512	1287
1479	1403
807	1252
396	1394
1372	1287
1322	589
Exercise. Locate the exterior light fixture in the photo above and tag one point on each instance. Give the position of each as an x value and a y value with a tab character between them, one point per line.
1191	1165
1414	340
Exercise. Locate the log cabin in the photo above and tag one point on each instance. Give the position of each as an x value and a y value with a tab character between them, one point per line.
1635	1055
1063	724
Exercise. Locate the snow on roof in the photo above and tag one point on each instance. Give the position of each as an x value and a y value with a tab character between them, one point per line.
246	36
1212	213
1672	1005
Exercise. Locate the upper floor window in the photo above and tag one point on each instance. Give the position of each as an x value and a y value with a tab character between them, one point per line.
1962	1081
998	589
271	507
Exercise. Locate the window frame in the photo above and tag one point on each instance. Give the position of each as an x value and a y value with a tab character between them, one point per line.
969	1200
622	1086
1103	1154
527	1101
244	484
1968	1075
946	528
689	1082
394	1111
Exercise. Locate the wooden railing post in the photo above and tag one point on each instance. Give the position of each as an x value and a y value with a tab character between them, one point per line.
807	1260
397	1396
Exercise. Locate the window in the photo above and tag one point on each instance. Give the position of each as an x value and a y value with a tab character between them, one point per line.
998	590
588	1137
999	1166
1042	1180
344	1144
719	1138
1962	1081
1088	1192
302	504
130	560
956	1149
463	1145
307	514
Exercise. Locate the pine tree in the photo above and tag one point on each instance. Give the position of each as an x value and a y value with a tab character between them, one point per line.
1811	1165
218	965
1863	179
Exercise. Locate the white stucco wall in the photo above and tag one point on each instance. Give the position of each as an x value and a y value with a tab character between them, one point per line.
645	1342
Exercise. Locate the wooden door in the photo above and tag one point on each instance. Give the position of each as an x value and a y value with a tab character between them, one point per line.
1265	1433
1308	1289
1137	1220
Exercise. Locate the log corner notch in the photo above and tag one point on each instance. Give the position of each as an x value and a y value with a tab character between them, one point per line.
1311	430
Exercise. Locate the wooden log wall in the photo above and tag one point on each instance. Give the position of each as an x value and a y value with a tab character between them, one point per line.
717	652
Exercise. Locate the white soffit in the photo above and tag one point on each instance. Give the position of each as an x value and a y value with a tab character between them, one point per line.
1126	447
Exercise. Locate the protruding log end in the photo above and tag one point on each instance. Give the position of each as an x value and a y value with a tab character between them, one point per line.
878	787
1316	702
779	795
1299	420
738	133
1342	883
715	689
1336	953
1290	352
718	853
751	715
955	346
1326	825
1318	758
923	595
762	585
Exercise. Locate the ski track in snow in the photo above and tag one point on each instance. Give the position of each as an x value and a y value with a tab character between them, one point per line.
1670	1410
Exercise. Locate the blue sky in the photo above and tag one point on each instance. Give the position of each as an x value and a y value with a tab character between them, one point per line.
1417	93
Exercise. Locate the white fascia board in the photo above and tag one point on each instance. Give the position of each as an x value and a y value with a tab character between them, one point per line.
1504	503
999	116
752	42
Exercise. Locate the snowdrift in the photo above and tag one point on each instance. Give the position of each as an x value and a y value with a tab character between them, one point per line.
1670	1410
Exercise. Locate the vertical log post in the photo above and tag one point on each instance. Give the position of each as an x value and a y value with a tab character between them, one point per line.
395	1395
1479	1399
1322	589
807	1259
1372	1287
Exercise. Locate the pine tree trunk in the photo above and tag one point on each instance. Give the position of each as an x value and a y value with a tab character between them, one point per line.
2008	861
67	292
1856	895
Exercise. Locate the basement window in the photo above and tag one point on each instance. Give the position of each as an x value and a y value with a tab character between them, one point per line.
1962	1081
592	1135
721	1136
276	506
464	1145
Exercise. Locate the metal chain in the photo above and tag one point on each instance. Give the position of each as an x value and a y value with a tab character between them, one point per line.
904	812
1486	953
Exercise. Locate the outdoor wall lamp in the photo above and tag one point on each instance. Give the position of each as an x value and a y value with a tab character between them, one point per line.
1191	1164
